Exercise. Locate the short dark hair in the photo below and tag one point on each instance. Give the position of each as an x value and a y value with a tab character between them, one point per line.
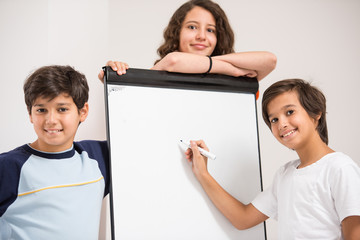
224	32
310	98
51	81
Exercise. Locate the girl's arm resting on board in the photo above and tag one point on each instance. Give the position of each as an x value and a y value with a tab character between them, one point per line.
255	64
351	228
183	63
250	64
261	62
240	215
194	63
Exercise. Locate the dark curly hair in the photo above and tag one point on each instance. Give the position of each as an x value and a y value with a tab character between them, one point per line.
224	33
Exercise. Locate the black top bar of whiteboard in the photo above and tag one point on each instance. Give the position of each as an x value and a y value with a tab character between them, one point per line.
164	79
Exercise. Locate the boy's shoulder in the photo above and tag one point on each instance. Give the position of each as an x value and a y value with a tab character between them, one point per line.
92	147
90	143
17	150
335	165
338	164
332	162
15	156
338	160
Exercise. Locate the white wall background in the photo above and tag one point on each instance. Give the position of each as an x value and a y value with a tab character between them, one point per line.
315	40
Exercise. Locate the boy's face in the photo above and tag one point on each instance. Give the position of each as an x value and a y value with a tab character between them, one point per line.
290	123
56	122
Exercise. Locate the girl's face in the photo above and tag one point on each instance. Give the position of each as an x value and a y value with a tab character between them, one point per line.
290	123
198	32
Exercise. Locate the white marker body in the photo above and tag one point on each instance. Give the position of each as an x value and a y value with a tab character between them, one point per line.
202	151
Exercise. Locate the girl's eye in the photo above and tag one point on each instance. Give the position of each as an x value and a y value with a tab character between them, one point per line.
289	112
274	120
191	27
210	30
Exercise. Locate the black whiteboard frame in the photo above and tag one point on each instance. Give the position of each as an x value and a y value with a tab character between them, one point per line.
164	79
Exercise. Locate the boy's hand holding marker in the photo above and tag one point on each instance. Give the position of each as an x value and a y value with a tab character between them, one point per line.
199	162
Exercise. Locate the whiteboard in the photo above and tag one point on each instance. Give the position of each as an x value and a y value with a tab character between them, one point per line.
154	194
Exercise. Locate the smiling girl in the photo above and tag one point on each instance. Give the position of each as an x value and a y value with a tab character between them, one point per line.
199	39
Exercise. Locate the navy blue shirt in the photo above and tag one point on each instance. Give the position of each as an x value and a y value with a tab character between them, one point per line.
53	195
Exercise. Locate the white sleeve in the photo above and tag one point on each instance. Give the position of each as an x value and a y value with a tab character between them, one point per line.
346	190
266	201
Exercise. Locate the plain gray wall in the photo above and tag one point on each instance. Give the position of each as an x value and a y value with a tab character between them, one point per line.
315	40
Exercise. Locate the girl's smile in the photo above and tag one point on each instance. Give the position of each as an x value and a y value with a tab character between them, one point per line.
198	32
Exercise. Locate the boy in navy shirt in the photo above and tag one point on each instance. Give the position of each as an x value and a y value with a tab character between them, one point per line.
53	187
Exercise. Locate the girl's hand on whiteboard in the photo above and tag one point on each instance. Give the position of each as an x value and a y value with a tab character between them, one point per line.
199	162
119	67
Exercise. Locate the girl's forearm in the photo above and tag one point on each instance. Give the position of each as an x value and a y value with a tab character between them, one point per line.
261	62
250	64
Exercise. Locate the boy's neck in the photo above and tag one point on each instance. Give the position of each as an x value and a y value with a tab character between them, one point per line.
312	153
39	146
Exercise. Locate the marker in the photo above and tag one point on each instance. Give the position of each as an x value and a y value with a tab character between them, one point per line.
202	151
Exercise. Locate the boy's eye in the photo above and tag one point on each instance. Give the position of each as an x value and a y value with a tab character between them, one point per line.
62	109
274	120
40	110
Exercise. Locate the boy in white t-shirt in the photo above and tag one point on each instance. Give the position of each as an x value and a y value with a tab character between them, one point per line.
314	197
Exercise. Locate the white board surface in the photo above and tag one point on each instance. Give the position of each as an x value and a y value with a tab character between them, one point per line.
155	195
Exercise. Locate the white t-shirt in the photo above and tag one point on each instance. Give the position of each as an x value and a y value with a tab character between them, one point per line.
311	202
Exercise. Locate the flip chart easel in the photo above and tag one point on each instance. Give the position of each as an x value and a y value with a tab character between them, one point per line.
154	194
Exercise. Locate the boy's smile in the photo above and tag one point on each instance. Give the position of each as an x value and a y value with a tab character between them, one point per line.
55	122
288	134
290	123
